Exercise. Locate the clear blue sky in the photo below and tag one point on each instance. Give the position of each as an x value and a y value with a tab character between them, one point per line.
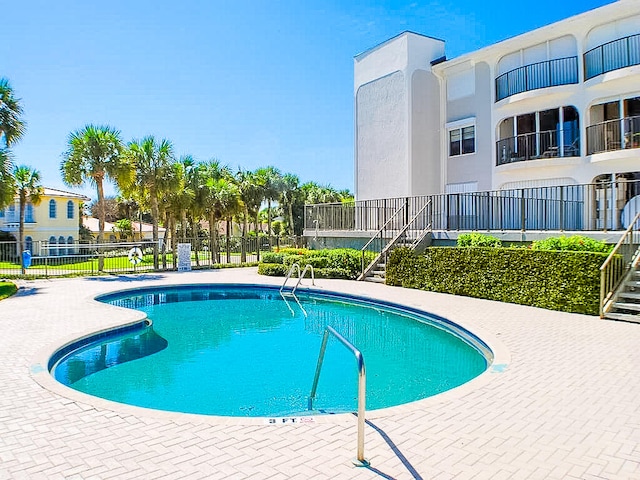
251	83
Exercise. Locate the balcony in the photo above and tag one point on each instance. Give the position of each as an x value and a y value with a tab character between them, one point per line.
618	134
551	73
537	145
614	55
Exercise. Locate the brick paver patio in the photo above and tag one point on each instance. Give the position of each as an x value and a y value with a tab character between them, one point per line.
562	401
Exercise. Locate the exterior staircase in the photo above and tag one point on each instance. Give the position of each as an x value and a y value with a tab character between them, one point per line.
626	304
414	234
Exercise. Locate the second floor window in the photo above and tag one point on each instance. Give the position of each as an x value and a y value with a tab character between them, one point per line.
462	140
69	209
52	209
28	213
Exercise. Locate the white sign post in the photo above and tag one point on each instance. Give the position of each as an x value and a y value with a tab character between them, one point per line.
184	257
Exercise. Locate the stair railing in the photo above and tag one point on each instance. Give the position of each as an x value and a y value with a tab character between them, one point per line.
380	238
613	270
402	234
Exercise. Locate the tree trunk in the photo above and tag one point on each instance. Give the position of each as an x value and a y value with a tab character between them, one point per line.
101	216
167	229
154	222
228	239
23	205
243	244
291	228
212	238
268	217
174	246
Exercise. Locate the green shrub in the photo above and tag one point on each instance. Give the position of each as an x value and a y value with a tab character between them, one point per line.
566	281
478	240
272	257
576	243
272	269
334	263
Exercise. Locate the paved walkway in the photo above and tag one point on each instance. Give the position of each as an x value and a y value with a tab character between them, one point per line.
562	401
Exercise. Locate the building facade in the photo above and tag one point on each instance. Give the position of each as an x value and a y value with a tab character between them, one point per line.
559	105
49	227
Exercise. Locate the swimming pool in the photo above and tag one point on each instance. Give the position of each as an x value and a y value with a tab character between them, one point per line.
245	351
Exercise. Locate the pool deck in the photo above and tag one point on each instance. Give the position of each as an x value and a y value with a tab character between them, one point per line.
562	401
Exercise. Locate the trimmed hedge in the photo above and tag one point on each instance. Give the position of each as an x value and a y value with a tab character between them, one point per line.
336	263
565	281
576	243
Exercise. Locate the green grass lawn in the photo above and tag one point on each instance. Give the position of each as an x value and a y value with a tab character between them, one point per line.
7	289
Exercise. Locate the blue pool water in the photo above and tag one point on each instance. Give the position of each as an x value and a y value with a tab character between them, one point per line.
244	351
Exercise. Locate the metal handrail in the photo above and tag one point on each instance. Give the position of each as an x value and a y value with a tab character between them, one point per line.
291	269
362	383
378	235
597	62
395	240
304	271
612	274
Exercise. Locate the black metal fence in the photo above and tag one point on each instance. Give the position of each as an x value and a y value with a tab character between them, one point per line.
620	53
591	207
133	257
550	73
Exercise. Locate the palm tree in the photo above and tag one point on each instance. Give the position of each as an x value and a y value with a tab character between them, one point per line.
151	161
271	179
290	186
251	191
94	155
12	127
29	189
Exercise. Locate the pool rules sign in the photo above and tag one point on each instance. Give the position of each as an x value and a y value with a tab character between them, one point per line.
184	257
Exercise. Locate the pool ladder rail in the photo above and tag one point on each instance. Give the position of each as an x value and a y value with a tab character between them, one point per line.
359	461
292	292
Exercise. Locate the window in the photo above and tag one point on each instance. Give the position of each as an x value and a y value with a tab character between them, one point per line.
63	251
69	209
12	213
28	213
70	251
28	244
462	140
52	208
1	213
52	246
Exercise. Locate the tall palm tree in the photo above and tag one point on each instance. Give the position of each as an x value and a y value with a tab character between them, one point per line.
29	190
251	191
290	186
94	155
12	127
151	161
271	180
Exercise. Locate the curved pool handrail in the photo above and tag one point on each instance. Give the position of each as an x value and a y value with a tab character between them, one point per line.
362	383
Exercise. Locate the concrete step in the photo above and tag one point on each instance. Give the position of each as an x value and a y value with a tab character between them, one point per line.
374	279
627	317
627	306
632	295
380	273
632	284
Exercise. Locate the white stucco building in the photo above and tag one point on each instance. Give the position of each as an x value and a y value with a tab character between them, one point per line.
559	105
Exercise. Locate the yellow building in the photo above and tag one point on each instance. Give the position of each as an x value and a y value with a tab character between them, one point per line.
51	226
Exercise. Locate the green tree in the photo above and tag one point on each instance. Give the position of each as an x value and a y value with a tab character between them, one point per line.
94	155
290	189
270	178
152	161
12	128
29	190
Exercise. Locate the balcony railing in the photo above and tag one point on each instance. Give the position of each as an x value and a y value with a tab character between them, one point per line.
589	207
618	134
610	56
561	71
532	146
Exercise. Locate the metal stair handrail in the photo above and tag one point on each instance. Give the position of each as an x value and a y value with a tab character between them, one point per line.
396	239
613	273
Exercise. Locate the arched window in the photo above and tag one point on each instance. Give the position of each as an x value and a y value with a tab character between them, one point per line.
70	209
70	242
28	244
52	208
28	213
52	249
63	251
